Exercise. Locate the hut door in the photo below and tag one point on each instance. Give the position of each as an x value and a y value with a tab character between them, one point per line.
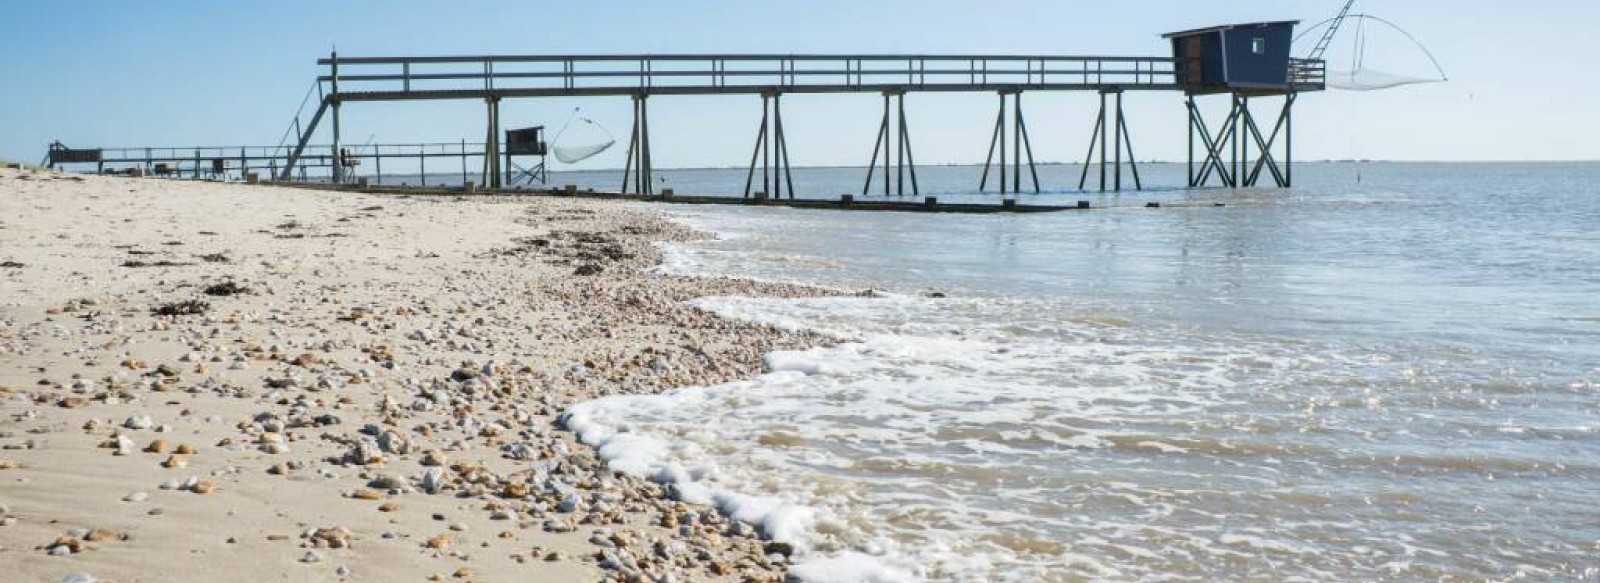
1193	75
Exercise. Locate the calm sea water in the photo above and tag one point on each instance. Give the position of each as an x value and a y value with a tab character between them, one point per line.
1396	379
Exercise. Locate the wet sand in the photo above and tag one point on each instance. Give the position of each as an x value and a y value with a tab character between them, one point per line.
208	382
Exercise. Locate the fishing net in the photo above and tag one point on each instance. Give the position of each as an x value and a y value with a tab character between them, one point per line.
1405	60
581	139
1372	80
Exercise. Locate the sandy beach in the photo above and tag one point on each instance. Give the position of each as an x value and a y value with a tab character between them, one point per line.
213	382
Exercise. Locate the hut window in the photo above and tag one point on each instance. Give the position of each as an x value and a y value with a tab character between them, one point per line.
1258	45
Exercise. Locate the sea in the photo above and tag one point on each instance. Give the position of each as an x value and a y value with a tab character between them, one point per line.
1389	372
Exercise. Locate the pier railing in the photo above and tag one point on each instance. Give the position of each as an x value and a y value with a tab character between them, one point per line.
1308	74
394	78
222	161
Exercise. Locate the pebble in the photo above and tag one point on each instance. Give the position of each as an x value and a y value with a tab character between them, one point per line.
136	497
138	422
311	557
387	482
432	480
434	458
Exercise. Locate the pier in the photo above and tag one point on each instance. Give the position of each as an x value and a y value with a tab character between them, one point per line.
1247	64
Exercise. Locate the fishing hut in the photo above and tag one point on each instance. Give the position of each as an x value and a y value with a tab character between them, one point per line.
1243	61
526	142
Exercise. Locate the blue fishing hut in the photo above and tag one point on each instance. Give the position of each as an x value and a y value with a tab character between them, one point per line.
1251	57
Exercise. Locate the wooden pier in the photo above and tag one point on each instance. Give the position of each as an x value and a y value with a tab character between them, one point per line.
1245	62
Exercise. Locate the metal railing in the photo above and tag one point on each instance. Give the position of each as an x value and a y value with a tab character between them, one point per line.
1308	74
198	161
402	77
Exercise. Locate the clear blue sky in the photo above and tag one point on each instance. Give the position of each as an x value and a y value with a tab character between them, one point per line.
183	73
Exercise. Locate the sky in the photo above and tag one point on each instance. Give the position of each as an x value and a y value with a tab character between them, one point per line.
103	73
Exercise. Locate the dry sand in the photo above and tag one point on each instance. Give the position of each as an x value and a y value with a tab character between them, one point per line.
369	386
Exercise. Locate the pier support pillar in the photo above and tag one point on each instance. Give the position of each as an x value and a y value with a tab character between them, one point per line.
638	165
491	146
1227	153
338	156
897	158
1020	146
772	149
1113	121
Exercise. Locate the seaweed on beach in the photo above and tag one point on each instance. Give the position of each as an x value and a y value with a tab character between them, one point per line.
183	308
11	264
161	263
224	289
215	258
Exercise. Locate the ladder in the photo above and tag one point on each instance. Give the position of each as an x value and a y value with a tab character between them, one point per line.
1333	28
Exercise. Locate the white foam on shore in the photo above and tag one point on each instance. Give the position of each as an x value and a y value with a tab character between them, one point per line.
779	517
875	409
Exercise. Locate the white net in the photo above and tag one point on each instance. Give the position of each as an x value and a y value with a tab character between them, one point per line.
1372	80
581	139
1404	60
573	155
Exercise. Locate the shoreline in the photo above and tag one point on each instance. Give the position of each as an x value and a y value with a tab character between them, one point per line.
369	390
